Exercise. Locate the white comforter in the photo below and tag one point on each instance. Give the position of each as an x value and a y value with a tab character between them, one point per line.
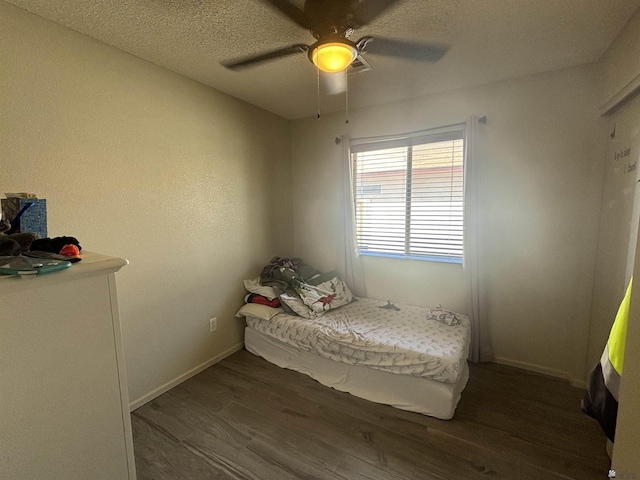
362	333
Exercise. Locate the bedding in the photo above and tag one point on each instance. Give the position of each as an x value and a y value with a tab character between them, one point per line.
406	392
410	357
443	315
327	295
401	340
256	310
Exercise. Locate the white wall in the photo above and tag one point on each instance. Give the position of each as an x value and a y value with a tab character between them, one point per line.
541	190
192	186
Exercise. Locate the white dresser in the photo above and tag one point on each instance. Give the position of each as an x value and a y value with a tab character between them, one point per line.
64	407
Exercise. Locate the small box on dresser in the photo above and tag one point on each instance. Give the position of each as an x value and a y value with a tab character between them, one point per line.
34	218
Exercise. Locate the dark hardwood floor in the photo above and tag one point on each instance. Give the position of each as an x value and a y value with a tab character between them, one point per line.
244	418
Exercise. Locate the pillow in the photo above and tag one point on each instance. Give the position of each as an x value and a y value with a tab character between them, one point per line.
259	311
254	286
325	296
296	305
443	315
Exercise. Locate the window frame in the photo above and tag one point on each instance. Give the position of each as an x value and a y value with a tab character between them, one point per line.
410	140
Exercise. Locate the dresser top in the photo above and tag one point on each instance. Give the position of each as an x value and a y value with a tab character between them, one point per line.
92	264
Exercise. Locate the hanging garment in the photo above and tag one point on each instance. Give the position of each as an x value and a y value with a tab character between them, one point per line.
600	401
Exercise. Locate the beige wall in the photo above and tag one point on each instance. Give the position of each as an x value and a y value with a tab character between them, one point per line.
192	186
541	190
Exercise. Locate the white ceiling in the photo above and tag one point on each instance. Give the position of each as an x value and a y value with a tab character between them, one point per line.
489	40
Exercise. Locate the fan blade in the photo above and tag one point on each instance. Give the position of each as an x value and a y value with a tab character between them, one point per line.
422	52
274	54
368	10
334	83
290	11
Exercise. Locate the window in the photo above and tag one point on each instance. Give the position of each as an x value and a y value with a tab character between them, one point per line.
408	195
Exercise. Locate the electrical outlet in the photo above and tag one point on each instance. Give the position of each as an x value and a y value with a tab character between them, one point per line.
213	324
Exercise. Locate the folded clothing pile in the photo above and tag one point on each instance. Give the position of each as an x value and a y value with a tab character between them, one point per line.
298	288
261	302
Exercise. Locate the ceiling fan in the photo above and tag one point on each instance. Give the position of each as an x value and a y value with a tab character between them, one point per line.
332	22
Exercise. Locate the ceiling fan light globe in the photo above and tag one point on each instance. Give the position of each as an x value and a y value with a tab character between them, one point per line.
333	57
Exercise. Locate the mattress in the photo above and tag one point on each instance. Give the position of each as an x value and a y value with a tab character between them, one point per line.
406	392
402	341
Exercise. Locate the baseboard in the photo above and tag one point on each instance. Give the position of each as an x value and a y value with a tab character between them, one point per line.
185	376
552	372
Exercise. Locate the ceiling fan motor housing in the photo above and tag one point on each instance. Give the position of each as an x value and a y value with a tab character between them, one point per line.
330	17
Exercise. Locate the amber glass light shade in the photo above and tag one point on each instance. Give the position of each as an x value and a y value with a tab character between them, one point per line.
333	57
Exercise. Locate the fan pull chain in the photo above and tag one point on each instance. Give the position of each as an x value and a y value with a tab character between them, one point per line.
346	94
318	85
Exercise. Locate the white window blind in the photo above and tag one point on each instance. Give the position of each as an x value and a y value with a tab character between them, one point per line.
408	195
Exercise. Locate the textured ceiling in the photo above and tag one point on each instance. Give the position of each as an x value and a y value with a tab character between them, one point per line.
489	40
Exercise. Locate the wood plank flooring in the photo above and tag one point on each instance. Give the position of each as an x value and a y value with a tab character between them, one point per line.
244	418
